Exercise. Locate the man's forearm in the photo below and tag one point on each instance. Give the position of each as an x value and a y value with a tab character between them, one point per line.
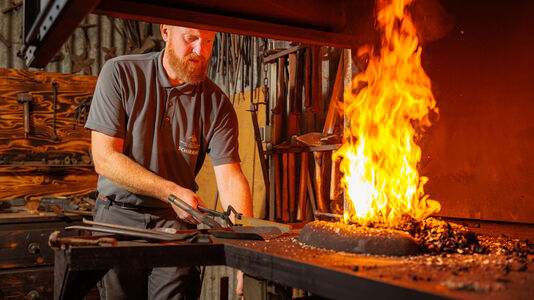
234	189
133	177
238	197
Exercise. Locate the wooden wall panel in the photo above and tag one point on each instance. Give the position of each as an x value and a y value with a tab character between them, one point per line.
41	165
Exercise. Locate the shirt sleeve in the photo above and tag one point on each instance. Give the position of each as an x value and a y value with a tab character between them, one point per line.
107	114
223	147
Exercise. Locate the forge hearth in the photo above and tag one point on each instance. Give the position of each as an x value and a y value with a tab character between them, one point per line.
359	239
429	236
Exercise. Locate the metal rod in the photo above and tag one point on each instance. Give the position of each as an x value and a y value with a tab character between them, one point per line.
54	135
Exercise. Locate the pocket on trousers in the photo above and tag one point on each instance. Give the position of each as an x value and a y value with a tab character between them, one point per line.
122	216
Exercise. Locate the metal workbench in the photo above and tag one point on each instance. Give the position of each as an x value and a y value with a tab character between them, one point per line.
325	273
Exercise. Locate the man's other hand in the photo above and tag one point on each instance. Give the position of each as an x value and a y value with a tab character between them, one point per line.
191	198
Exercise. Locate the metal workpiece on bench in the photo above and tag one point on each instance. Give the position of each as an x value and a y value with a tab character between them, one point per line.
170	234
56	242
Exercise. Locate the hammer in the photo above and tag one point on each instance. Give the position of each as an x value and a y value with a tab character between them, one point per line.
55	242
24	99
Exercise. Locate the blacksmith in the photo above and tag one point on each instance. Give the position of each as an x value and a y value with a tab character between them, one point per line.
153	118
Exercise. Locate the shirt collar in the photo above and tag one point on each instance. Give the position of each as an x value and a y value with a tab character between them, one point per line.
163	80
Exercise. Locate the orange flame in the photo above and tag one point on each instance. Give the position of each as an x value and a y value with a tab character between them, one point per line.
379	154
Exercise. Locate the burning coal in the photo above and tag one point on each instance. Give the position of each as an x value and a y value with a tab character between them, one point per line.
380	154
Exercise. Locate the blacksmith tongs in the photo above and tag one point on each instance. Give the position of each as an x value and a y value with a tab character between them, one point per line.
228	232
202	218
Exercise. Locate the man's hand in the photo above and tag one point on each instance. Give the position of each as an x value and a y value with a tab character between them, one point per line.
239	287
189	197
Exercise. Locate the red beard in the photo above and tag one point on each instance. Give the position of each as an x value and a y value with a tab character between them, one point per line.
192	68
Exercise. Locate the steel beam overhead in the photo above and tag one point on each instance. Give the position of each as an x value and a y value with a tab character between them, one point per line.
338	23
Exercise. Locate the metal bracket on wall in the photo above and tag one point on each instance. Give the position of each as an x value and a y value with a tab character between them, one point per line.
49	29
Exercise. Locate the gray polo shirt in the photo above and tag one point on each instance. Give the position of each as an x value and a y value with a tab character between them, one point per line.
166	129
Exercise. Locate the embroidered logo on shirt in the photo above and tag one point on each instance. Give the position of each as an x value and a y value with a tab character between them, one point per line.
190	146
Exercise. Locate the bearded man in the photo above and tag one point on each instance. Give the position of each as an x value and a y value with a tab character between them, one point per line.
153	118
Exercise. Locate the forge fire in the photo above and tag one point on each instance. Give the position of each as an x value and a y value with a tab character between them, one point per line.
388	105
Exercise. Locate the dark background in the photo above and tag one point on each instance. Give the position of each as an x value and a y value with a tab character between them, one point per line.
479	155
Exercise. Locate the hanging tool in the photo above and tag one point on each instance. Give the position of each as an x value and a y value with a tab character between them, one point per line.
278	185
300	201
54	135
25	99
317	79
332	115
285	190
261	153
313	203
300	70
331	124
257	136
292	93
302	208
307	78
276	130
317	139
278	111
292	185
314	139
293	130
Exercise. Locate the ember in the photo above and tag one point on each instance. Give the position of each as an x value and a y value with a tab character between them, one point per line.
432	236
429	236
437	236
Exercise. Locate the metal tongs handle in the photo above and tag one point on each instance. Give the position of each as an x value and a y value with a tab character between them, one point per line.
202	218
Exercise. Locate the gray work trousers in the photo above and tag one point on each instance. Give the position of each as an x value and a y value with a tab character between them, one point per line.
136	283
